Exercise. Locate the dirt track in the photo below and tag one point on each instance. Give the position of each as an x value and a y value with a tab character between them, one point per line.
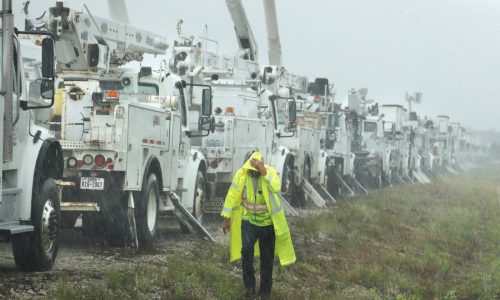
81	260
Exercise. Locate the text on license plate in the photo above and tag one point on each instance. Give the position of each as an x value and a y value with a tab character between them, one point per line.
92	183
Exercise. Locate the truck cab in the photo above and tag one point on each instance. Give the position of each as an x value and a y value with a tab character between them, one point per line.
32	161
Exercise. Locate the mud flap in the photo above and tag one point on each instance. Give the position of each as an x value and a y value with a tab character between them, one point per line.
312	194
184	216
289	210
131	221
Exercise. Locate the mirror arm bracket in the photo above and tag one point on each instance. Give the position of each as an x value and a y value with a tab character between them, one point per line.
285	136
190	135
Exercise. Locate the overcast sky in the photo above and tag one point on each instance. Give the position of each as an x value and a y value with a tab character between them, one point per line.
447	49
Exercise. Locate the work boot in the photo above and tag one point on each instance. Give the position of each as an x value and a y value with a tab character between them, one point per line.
249	293
265	296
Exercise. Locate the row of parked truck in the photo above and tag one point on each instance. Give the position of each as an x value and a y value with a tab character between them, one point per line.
89	134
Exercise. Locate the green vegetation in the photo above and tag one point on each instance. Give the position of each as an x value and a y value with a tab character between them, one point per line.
435	241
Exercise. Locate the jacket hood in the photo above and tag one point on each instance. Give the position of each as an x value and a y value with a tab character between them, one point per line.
247	166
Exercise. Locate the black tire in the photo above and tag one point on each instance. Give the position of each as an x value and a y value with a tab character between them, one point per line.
146	212
380	181
307	170
287	176
300	193
37	250
332	185
200	194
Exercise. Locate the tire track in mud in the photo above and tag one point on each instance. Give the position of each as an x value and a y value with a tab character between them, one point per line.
83	261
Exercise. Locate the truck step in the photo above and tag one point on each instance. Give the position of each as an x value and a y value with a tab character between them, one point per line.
11	191
79	206
15	228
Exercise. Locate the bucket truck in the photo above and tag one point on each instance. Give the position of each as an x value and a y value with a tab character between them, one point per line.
417	146
126	134
32	159
242	119
395	117
299	138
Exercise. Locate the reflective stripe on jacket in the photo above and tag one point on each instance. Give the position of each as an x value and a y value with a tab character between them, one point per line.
233	210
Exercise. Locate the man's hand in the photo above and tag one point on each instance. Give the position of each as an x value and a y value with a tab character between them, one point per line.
259	165
226	224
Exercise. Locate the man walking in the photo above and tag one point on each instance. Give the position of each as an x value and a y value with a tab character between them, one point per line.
252	212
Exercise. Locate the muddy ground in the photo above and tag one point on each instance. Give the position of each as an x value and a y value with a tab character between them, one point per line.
82	260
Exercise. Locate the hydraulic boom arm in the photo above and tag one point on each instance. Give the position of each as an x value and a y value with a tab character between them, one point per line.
273	37
243	30
89	43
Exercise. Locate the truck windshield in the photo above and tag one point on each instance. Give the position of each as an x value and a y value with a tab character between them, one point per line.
144	90
129	93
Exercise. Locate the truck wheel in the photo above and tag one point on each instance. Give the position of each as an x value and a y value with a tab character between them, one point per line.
307	170
37	250
301	195
147	212
200	196
287	176
379	179
332	186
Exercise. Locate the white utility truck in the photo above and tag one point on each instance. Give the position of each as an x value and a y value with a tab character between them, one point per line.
32	159
243	122
125	133
239	124
298	123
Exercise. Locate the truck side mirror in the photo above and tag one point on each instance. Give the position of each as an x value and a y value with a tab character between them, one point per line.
48	58
206	103
292	116
206	123
47	89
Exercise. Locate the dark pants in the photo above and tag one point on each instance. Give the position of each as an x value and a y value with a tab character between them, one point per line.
249	235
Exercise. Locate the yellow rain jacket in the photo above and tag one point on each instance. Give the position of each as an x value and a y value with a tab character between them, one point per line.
233	210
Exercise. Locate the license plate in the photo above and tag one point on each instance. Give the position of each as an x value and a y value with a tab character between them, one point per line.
92	183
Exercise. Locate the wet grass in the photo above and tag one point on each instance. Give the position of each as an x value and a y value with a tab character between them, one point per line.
435	241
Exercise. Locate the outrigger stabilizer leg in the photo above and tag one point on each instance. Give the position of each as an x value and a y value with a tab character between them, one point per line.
188	219
131	221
